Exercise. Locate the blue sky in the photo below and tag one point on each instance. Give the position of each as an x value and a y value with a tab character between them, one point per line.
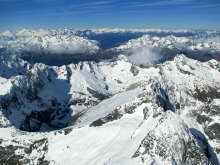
84	14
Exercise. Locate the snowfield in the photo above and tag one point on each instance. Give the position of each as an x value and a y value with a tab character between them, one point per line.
149	104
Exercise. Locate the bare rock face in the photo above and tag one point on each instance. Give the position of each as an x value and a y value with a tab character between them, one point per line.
174	143
17	153
134	70
25	100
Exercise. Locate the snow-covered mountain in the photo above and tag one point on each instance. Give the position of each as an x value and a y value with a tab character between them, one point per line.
174	42
112	111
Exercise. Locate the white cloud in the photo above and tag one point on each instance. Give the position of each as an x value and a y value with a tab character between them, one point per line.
164	3
213	5
144	56
95	3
